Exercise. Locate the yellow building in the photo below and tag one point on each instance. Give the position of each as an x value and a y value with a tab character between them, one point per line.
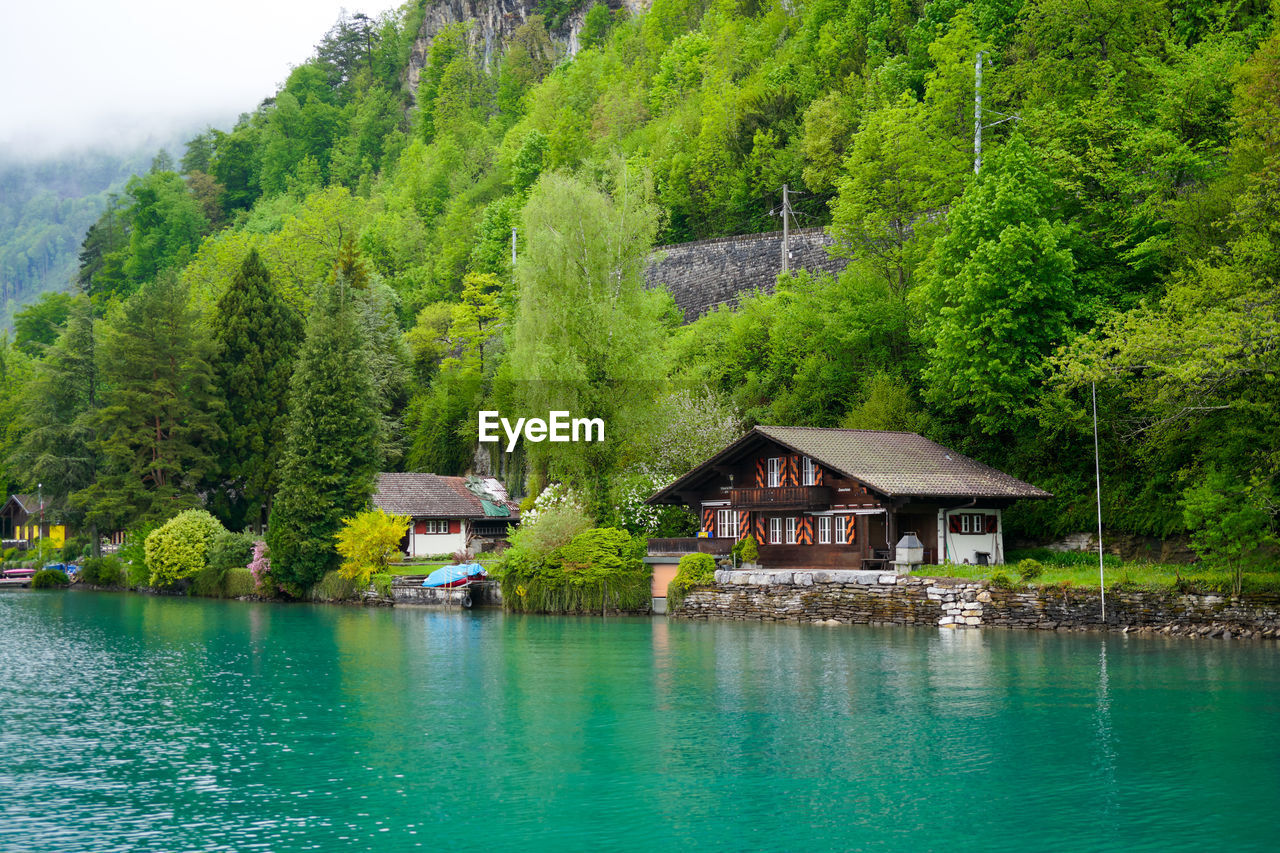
20	520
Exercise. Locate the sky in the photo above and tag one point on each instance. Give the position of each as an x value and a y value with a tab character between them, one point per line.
119	73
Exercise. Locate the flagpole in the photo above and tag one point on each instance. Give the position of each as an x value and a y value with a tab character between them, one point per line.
1097	475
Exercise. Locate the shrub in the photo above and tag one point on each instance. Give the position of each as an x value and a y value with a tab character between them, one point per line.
367	542
239	583
382	583
260	570
1000	580
550	529
207	582
694	570
134	555
72	549
750	549
111	573
102	571
334	587
600	568
231	550
49	579
1029	570
179	548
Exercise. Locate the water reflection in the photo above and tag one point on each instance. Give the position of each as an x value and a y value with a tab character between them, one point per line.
220	726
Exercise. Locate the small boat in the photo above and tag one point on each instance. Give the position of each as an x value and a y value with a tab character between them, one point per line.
456	575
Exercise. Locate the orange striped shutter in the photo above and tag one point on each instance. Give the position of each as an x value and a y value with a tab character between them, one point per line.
762	529
761	475
850	529
709	522
744	524
793	470
804	531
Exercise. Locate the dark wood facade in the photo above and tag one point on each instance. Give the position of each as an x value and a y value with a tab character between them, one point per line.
782	498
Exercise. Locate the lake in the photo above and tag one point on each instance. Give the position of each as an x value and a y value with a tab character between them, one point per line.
139	723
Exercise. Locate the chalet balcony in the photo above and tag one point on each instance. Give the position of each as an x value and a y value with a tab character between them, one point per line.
781	497
689	545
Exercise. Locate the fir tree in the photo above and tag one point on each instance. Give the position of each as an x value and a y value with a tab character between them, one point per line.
256	338
157	423
57	414
328	467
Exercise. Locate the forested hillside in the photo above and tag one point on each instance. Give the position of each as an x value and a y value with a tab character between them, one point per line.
1121	230
46	206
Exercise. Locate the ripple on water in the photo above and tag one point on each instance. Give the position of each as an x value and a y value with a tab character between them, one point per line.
163	724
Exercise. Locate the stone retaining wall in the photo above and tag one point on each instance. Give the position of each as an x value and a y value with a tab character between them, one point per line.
413	592
707	273
878	598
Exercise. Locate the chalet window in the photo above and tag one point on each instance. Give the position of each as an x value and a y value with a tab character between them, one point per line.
727	524
775	531
432	526
976	522
824	530
775	472
791	530
810	473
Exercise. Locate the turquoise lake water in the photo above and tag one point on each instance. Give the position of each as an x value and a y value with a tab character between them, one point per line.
136	723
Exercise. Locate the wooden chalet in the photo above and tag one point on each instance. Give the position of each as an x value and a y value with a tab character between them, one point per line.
23	521
448	514
843	498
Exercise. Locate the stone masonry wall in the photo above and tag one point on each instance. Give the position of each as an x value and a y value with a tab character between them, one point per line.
876	598
707	273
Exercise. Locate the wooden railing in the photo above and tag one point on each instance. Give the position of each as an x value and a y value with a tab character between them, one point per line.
803	497
690	545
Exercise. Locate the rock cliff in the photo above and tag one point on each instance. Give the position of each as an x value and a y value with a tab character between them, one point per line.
494	23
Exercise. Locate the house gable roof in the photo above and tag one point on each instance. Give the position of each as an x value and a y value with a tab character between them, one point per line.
27	503
433	496
895	464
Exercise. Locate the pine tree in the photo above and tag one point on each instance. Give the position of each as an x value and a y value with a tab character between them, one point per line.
256	339
58	408
327	471
157	422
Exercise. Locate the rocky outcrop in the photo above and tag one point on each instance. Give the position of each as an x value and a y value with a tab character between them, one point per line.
493	24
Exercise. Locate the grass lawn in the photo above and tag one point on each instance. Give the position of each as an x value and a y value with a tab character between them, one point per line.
1080	569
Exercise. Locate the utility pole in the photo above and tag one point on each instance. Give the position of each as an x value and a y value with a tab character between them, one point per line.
977	113
978	126
786	230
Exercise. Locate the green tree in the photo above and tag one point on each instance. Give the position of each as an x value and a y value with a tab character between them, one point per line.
256	336
327	470
40	323
999	296
58	409
1228	521
894	182
156	426
587	336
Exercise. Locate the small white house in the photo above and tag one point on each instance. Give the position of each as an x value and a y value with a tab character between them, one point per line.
448	514
971	535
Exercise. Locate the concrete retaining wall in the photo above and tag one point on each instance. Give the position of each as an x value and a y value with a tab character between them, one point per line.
885	599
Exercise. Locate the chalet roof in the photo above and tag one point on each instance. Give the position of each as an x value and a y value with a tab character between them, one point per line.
27	503
896	464
433	496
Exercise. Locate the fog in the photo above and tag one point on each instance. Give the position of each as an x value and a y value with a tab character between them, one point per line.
119	74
